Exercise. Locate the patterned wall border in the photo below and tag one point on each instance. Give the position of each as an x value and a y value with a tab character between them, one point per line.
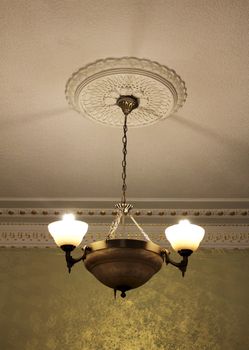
24	235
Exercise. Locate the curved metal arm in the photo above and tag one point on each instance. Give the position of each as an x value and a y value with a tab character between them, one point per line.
114	225
72	261
140	228
182	265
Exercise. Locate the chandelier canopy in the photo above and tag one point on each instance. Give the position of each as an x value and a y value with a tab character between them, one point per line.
133	92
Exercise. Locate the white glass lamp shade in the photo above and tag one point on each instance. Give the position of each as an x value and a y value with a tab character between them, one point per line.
68	231
184	235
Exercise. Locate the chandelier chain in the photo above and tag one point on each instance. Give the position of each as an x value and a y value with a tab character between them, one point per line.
124	163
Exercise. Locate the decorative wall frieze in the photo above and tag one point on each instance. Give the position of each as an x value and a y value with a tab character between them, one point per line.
30	235
23	222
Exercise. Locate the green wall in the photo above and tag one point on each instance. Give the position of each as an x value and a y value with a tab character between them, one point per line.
43	307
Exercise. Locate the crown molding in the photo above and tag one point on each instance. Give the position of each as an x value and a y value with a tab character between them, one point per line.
167	203
145	215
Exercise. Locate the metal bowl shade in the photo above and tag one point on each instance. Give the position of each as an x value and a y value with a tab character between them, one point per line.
123	264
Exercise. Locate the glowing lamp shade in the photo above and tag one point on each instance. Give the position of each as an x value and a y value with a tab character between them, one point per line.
184	235
68	230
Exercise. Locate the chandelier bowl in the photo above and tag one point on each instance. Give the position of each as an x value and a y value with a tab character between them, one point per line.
123	264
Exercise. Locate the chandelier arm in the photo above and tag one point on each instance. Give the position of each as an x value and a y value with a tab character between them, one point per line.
72	261
114	225
140	228
182	265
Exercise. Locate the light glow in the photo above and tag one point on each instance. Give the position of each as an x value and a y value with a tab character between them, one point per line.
184	235
68	230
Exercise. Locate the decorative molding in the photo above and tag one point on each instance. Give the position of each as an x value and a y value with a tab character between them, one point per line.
100	212
145	203
23	223
36	235
94	89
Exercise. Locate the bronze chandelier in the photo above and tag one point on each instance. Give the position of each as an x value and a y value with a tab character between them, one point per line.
125	264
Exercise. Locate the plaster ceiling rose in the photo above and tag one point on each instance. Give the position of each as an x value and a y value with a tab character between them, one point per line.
94	90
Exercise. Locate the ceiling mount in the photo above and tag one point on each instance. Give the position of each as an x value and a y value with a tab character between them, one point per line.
94	90
127	103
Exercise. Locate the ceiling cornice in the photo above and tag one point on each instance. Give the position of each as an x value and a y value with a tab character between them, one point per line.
222	210
24	225
137	202
105	214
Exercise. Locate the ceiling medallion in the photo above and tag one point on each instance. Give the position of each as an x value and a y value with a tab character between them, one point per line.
94	90
124	264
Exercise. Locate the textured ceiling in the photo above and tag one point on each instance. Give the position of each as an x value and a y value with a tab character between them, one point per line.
50	151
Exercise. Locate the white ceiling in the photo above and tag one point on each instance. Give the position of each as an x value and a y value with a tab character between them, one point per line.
50	151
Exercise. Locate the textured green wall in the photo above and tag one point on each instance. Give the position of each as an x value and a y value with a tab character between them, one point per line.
42	307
